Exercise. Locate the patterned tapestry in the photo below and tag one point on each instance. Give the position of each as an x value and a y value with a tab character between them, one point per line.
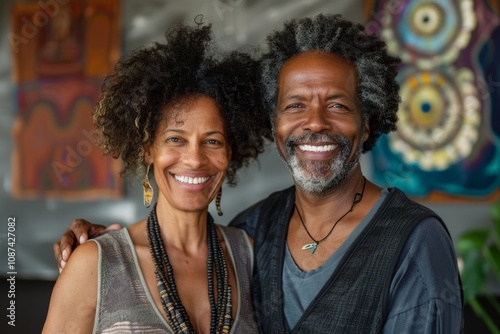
61	50
447	146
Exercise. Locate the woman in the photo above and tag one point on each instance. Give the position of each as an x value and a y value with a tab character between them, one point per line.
187	115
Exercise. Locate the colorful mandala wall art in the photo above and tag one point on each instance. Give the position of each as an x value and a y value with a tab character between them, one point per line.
447	145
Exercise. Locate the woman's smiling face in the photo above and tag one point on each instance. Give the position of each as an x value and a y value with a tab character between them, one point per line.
190	153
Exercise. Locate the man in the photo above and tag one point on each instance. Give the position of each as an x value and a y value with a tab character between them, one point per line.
335	253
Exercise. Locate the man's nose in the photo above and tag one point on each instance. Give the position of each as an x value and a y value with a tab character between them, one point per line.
316	119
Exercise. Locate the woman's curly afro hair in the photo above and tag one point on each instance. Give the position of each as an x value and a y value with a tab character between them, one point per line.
187	65
378	90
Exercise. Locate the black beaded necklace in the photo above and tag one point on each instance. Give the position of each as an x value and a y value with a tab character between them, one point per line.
221	311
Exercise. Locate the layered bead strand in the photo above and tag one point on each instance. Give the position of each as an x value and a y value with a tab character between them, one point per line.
220	306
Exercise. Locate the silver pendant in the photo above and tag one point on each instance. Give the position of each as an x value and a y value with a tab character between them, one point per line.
312	247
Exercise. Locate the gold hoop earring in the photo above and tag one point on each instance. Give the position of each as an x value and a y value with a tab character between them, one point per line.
217	202
147	189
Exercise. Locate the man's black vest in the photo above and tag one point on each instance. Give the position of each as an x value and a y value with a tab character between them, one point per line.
354	299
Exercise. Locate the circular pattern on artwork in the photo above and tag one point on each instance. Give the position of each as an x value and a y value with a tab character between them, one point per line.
439	118
426	107
428	33
427	19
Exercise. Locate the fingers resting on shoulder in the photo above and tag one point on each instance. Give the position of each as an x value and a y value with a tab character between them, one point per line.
79	232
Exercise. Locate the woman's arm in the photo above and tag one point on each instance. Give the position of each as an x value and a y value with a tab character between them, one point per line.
74	297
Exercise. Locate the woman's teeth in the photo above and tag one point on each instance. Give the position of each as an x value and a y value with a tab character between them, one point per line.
191	180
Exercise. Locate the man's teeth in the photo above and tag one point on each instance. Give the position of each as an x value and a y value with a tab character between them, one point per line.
316	148
191	180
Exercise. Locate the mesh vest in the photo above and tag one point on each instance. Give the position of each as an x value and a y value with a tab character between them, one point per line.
354	299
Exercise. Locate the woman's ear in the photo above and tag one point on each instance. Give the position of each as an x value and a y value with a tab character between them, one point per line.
148	156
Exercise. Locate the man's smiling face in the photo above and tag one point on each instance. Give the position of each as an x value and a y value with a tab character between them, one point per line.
318	125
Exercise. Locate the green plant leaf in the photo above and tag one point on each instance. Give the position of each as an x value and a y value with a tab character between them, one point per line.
494	303
492	254
495	214
495	211
474	274
481	312
480	252
472	241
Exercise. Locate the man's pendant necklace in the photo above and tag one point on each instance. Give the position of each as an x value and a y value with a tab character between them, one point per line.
312	246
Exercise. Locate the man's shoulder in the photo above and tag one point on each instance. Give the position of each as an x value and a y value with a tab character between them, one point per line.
247	219
397	197
404	210
266	203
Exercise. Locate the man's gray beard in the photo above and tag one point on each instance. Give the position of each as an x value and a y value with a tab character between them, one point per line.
317	177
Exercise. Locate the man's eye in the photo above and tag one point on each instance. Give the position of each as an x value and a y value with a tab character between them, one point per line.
338	106
293	106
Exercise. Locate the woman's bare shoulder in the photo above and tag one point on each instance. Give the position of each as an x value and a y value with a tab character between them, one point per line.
74	297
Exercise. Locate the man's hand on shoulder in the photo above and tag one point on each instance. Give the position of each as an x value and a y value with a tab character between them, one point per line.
78	233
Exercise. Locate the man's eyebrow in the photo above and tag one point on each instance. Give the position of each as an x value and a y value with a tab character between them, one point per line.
329	97
293	96
337	96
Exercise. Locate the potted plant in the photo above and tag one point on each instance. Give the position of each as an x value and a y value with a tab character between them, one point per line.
480	252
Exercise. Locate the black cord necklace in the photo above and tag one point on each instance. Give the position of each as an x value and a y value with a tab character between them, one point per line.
221	310
312	246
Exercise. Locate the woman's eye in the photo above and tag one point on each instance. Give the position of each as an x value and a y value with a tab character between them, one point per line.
213	142
173	140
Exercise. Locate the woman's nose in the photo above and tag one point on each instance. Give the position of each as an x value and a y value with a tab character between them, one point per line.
195	156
